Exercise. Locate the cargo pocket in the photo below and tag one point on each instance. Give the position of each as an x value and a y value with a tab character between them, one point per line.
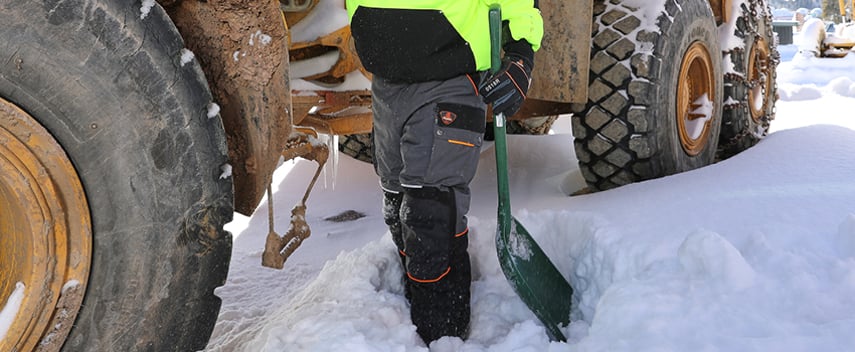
458	135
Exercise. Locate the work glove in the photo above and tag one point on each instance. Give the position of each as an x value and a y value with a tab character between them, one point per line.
506	89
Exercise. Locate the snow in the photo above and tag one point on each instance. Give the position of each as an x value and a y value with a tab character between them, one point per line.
145	8
702	113
10	309
213	110
727	39
811	36
226	171
70	284
754	253
186	56
327	17
264	39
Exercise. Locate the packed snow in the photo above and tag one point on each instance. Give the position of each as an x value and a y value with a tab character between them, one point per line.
10	308
754	253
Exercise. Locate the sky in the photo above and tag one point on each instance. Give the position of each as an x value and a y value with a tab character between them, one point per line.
754	253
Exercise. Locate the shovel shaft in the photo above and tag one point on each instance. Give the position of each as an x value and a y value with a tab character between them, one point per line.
500	136
528	269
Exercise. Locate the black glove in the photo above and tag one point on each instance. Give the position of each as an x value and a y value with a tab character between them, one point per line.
506	89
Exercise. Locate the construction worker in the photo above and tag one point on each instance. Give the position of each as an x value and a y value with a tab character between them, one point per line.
429	59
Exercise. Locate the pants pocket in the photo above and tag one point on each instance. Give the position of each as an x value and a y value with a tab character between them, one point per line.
458	136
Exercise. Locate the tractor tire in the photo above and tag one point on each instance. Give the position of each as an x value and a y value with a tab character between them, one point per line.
357	146
644	85
750	91
106	82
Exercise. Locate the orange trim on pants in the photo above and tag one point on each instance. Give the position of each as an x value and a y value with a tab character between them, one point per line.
462	233
429	281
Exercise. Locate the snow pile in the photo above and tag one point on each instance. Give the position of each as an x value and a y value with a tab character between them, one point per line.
809	77
751	254
812	35
754	253
843	86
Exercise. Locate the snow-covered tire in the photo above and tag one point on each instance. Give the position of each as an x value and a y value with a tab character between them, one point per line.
357	146
109	86
750	91
635	124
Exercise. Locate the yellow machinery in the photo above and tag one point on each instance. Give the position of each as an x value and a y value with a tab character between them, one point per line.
131	131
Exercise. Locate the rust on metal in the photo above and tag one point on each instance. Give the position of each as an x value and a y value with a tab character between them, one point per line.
695	81
561	65
722	10
334	112
340	41
242	47
278	248
46	242
537	108
296	10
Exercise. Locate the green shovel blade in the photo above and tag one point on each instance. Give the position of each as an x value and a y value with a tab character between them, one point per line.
529	271
534	278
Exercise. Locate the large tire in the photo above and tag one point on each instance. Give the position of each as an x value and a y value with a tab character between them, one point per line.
750	91
112	91
357	146
635	125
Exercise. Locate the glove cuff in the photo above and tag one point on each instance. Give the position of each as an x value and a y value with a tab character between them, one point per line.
520	49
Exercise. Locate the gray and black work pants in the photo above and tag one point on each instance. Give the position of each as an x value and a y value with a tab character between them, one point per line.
427	138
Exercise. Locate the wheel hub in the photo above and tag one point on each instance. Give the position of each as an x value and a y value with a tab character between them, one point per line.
45	235
758	79
695	97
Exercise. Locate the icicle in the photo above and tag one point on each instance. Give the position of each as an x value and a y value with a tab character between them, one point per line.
331	168
335	154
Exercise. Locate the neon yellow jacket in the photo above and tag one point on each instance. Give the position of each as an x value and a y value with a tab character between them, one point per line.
419	40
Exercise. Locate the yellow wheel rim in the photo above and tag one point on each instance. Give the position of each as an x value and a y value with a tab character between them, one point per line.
695	94
45	235
759	79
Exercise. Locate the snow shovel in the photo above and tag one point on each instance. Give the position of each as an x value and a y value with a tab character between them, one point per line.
530	272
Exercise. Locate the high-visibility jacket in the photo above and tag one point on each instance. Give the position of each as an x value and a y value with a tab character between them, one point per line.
423	40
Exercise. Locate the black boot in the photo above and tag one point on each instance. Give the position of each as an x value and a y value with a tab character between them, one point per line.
392	217
438	269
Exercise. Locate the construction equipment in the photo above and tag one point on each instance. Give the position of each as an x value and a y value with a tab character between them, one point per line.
133	130
846	12
841	42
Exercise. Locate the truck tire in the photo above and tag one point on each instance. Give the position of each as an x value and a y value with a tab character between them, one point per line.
103	87
750	91
643	85
357	146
